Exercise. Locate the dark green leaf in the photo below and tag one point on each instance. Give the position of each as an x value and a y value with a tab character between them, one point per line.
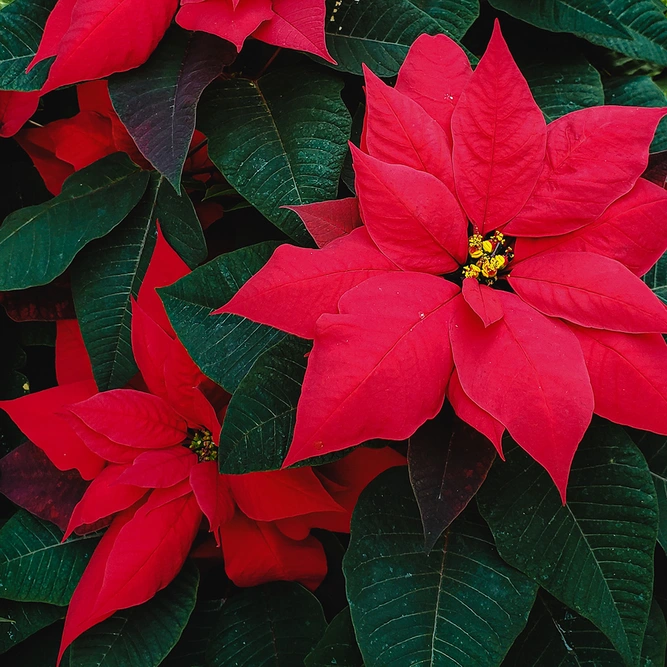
447	461
259	421
275	625
21	26
140	636
39	242
280	140
581	17
109	272
656	278
157	102
35	566
557	637
223	346
594	554
455	16
562	84
191	647
23	619
654	449
638	91
338	647
643	23
377	33
460	604
40	651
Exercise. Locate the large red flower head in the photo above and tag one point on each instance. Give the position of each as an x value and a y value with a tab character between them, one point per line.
151	452
498	264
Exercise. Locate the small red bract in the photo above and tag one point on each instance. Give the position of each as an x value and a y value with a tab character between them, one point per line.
151	452
498	264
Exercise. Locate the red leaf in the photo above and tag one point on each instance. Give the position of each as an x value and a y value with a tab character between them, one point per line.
633	231
297	24
56	27
594	156
132	418
72	361
165	268
472	414
328	220
99	444
297	285
185	385
499	139
150	549
103	37
50	431
150	346
483	301
256	553
15	110
438	94
81	612
281	494
223	18
528	372
412	216
213	495
377	370
31	481
629	377
590	290
103	498
159	469
399	131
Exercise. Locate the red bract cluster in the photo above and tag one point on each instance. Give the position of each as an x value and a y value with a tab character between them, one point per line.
92	39
498	264
151	453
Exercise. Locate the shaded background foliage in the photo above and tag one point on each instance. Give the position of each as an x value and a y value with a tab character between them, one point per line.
507	578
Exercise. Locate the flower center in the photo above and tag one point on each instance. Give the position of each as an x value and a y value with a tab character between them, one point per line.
488	257
201	443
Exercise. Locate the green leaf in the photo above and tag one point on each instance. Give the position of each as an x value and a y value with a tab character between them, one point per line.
223	346
638	91
581	17
275	625
555	635
140	636
191	647
643	23
338	647
594	554
375	32
35	566
157	102
562	84
455	16
109	272
656	278
21	27
280	140
654	648
654	449
39	242
25	619
460	604
40	651
259	422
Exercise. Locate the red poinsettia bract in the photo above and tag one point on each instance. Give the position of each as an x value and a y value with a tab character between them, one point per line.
92	39
498	264
151	453
293	24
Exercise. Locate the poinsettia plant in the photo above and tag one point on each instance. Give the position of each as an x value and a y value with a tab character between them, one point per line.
333	333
